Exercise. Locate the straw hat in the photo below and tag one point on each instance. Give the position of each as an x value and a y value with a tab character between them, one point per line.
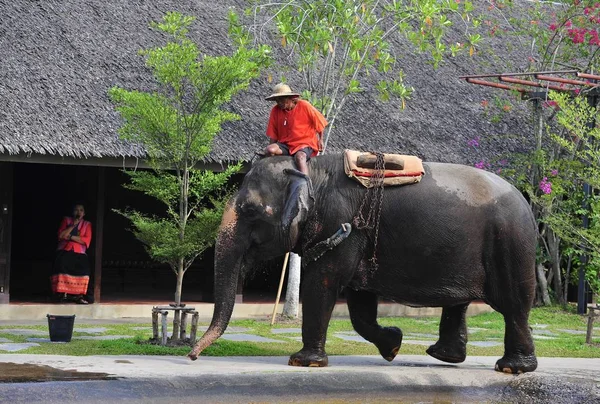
282	90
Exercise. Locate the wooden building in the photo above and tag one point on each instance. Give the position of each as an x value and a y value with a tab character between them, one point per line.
59	141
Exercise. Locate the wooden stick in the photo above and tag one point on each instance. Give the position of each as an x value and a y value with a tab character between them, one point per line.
285	261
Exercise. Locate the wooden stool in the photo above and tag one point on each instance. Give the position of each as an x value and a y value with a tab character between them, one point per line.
164	311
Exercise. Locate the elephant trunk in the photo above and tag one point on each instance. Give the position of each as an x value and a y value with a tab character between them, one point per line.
229	253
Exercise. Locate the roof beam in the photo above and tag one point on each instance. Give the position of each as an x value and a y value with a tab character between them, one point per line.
491	84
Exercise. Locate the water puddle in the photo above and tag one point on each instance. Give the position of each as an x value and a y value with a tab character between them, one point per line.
25	373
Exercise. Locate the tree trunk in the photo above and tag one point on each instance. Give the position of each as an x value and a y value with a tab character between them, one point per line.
553	246
542	288
292	295
178	291
567	279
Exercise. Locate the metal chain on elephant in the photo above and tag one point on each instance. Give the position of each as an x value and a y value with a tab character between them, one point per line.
375	195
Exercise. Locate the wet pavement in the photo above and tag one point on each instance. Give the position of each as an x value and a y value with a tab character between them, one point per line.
26	372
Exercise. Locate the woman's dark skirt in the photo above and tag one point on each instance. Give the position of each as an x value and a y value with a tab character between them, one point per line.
70	273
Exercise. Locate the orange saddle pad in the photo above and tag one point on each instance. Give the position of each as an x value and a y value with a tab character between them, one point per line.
410	174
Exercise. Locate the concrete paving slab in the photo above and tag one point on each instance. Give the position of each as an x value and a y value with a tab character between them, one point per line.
544	332
418	335
286	331
2	340
248	338
484	344
17	346
473	330
22	331
535	336
417	342
350	337
574	332
44	341
539	326
98	330
101	337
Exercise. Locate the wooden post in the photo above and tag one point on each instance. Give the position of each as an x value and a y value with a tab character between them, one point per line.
176	323
285	261
155	325
590	325
194	329
183	324
164	327
98	229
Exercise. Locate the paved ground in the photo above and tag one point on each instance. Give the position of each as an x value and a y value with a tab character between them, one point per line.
348	379
165	379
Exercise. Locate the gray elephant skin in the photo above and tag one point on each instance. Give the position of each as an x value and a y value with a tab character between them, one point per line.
460	235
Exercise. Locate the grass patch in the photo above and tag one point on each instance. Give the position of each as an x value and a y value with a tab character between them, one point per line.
547	322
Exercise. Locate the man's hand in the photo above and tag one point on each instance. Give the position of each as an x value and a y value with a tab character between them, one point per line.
320	142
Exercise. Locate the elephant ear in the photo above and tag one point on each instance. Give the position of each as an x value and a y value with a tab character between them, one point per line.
298	202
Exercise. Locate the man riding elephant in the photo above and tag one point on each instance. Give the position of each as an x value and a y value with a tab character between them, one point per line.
295	127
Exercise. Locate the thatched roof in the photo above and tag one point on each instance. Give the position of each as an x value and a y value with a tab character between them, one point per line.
59	58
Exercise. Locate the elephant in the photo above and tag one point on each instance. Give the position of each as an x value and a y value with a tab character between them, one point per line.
460	235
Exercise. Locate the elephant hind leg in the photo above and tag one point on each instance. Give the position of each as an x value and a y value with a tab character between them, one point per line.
519	351
452	344
362	306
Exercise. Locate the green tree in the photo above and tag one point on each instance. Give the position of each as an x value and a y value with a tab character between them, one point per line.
176	124
556	36
335	44
578	137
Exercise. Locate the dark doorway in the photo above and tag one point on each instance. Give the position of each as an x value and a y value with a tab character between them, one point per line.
6	191
43	195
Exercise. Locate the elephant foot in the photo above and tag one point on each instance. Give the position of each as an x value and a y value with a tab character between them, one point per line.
390	342
455	353
309	359
516	364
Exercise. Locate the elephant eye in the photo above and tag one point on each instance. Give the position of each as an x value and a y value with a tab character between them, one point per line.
250	211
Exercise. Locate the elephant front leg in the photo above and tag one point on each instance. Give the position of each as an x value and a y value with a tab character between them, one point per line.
452	345
362	306
319	294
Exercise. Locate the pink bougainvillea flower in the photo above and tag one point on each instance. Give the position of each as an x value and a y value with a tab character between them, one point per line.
553	27
480	164
554	172
474	142
546	186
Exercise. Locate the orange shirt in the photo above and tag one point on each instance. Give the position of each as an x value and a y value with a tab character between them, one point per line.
298	127
85	232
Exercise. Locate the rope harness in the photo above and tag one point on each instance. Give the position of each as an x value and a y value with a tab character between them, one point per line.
372	204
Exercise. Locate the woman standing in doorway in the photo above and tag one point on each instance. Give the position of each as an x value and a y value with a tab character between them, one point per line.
71	270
